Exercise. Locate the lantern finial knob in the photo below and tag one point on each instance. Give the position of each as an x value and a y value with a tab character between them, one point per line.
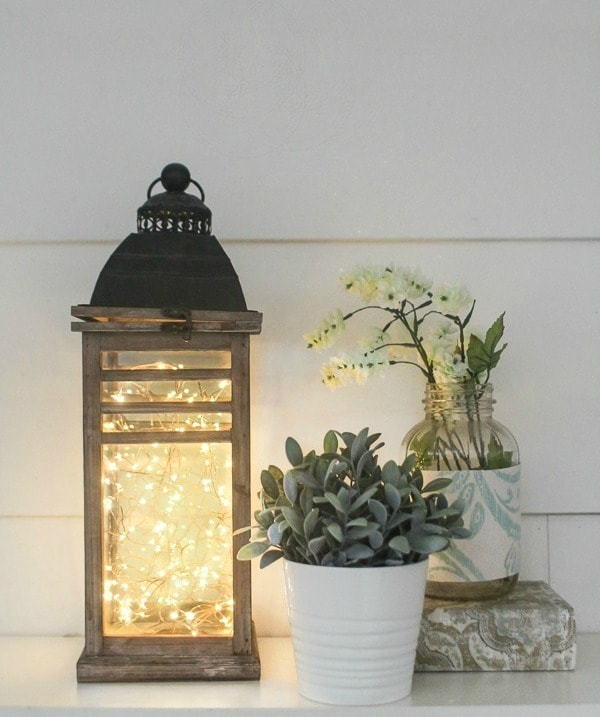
175	177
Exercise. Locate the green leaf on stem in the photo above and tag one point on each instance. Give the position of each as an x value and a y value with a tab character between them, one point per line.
497	457
294	520
359	551
270	557
269	484
336	503
293	451
330	442
335	530
252	550
400	545
427	544
290	487
483	356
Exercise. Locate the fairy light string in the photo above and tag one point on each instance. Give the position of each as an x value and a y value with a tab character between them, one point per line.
167	514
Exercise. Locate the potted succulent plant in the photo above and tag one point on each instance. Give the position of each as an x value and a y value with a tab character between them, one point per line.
354	631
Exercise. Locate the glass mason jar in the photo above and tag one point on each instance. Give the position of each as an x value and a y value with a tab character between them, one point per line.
461	440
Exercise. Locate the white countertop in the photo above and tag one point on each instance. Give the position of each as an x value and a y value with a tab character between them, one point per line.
37	677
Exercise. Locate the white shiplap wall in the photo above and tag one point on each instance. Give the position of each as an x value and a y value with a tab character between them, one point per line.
461	137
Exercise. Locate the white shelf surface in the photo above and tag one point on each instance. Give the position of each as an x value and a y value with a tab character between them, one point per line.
37	677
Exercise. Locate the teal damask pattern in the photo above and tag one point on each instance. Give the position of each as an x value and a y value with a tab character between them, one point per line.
490	499
532	628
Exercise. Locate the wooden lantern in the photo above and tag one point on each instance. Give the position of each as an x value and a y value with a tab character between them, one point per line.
166	461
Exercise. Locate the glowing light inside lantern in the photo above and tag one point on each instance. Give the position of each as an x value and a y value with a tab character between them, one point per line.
167	544
167	512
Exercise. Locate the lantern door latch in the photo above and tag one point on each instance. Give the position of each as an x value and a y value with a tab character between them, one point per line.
184	328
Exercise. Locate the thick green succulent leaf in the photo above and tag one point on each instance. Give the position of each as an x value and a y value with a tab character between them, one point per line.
293	451
269	484
417	482
270	557
293	519
392	496
334	468
264	518
290	487
371	439
336	502
437	484
376	539
275	533
365	463
460	532
330	442
397	520
409	463
379	512
348	438
359	551
252	550
344	497
432	529
245	529
427	544
359	533
440	502
399	544
310	522
303	476
362	499
390	473
276	472
305	500
445	514
335	530
359	445
357	522
316	545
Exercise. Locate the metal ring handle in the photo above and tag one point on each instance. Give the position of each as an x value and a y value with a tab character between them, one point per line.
199	188
175	178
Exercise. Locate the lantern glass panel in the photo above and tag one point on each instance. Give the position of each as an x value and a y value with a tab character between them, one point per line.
167	539
175	391
178	422
165	360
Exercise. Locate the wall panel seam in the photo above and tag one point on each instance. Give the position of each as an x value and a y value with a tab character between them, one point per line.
331	241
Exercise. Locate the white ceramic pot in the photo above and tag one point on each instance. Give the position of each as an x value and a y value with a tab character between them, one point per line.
355	630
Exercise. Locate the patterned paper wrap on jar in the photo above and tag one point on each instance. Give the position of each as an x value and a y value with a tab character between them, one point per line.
459	439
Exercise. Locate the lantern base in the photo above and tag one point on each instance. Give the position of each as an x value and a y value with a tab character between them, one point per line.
140	667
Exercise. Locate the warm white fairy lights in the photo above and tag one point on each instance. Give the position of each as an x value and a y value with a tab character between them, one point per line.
167	517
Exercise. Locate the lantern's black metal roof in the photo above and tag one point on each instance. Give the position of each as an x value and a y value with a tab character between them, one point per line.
173	260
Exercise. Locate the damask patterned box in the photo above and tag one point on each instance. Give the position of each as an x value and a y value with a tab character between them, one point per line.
533	628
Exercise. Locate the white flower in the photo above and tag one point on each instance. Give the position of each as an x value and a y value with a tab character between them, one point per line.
362	282
450	370
327	331
386	286
387	291
334	373
452	299
440	338
340	370
414	283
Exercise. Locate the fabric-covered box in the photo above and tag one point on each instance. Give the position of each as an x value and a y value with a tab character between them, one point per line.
532	628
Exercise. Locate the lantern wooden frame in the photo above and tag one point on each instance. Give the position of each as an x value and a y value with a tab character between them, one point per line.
109	658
